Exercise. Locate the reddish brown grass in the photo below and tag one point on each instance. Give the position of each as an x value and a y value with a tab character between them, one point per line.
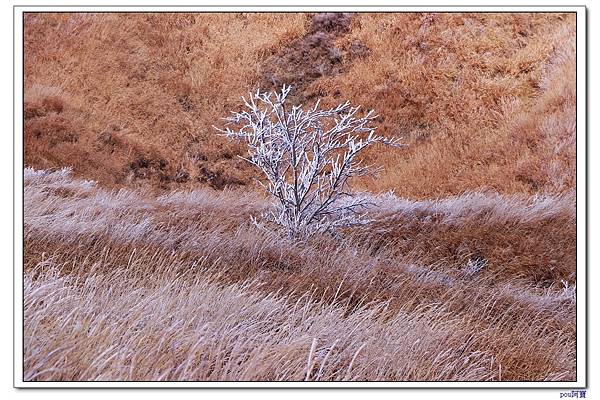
140	92
466	273
483	100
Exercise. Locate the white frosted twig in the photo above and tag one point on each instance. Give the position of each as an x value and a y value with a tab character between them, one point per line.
306	158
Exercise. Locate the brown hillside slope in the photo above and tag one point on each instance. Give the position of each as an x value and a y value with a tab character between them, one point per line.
483	100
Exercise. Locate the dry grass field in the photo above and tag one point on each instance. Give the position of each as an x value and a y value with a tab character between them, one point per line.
141	261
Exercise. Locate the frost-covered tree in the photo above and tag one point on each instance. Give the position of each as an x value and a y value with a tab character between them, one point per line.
307	157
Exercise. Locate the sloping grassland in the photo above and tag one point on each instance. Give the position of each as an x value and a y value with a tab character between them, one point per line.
141	262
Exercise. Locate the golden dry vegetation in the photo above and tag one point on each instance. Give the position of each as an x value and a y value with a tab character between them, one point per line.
142	263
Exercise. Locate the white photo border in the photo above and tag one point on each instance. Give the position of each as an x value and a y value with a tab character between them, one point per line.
581	197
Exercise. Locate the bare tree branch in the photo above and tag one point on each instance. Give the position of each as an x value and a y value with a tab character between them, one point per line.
307	158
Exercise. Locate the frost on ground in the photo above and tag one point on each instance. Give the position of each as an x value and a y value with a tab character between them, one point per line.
125	285
467	272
